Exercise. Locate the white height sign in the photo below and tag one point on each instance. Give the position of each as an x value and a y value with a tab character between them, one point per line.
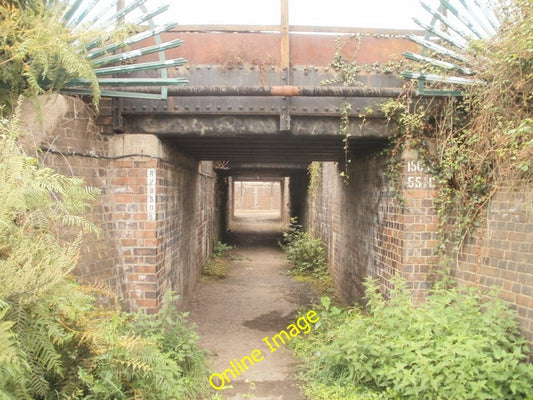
151	207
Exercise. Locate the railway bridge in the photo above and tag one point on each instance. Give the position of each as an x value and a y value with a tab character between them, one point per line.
263	104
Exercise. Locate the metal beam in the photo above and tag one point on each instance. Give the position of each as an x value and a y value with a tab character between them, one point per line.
234	126
282	91
285	116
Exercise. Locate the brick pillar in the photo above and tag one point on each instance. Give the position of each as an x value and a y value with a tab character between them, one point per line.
135	187
135	190
420	222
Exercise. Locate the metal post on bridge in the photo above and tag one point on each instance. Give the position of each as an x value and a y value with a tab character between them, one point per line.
285	118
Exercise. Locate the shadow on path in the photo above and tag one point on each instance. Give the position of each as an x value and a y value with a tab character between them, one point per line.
255	300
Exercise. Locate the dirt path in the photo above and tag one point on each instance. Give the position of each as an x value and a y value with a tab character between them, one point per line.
233	315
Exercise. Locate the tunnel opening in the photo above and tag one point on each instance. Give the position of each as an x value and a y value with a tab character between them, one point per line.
257	209
258	200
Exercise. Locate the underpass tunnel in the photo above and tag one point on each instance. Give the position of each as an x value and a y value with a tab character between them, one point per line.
261	124
259	207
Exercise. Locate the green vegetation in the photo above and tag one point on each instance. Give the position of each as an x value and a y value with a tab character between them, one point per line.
36	247
39	54
56	342
314	171
457	345
482	141
305	254
216	267
307	257
220	249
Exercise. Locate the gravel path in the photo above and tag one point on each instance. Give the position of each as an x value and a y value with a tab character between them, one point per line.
256	299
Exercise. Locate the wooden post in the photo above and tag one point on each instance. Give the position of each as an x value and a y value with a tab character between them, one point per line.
285	47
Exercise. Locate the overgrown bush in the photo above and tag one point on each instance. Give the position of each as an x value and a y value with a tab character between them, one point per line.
479	142
305	253
457	345
55	341
38	53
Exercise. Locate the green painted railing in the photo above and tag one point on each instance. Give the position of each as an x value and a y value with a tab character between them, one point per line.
113	59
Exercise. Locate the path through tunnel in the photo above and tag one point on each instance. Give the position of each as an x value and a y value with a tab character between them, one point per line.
258	194
258	209
175	174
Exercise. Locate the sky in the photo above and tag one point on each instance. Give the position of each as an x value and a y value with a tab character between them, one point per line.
351	13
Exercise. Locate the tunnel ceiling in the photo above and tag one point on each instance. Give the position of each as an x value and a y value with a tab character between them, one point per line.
262	170
280	149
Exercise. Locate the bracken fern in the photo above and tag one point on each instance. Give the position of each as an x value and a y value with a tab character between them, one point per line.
55	341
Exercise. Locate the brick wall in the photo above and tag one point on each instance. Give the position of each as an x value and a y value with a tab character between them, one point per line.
367	233
499	255
366	230
64	129
419	225
156	211
257	196
188	223
360	223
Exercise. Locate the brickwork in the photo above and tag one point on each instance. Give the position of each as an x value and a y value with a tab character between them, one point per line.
165	218
257	196
419	225
136	234
500	253
156	211
367	232
158	217
358	225
64	130
187	223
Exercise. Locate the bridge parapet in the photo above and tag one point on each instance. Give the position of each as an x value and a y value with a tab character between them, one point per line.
229	56
262	45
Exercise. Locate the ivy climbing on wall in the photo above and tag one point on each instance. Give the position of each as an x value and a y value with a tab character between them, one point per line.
481	141
474	144
348	73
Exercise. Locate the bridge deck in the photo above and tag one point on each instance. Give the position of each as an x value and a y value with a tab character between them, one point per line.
269	127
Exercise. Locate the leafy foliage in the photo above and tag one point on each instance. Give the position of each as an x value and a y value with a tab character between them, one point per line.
38	53
314	171
305	253
220	249
37	248
71	348
174	336
349	70
56	342
457	345
143	356
476	144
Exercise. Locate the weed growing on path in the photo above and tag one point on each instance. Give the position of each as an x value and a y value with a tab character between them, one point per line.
305	253
216	267
307	257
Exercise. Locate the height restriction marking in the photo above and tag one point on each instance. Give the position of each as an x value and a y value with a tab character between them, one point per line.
418	176
151	179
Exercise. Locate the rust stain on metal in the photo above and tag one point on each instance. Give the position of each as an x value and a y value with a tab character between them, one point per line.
264	48
287	91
